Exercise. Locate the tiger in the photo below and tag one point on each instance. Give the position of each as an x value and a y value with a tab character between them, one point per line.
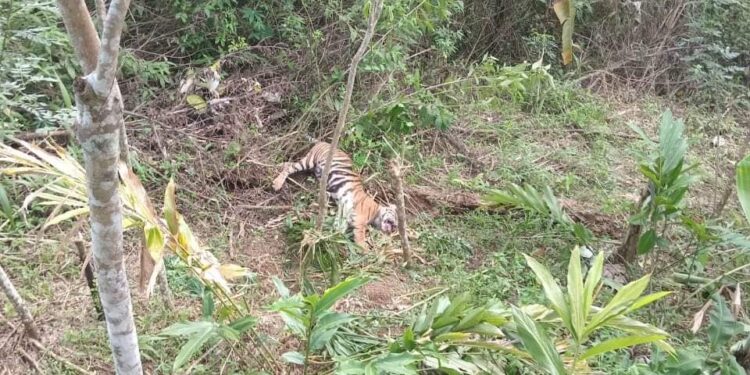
345	187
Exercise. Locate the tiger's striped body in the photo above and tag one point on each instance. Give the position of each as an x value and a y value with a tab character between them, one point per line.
345	187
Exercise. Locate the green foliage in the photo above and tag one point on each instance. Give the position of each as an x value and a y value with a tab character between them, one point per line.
668	181
219	26
205	332
36	65
529	199
718	358
581	319
717	48
146	72
310	317
458	336
526	84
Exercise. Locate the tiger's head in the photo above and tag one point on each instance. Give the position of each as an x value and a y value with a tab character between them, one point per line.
386	220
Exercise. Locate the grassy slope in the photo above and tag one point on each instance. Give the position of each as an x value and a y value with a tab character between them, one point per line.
585	152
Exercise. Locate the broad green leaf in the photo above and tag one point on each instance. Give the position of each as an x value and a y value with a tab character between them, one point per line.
241	325
593	278
635	327
452	312
723	325
296	358
208	304
188	329
326	327
576	294
743	185
453	336
551	290
396	363
645	300
537	343
192	347
619	343
472	318
338	291
408	337
619	303
647	242
672	144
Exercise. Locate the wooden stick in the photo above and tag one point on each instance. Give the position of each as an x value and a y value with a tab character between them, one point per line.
401	212
19	305
57	357
88	273
377	6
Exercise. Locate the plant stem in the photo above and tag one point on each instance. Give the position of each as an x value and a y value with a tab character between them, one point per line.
377	6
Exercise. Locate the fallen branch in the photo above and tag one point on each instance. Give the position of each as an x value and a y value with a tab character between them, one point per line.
58	358
19	305
377	6
401	212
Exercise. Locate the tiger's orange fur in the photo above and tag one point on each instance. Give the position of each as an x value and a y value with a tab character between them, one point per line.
345	187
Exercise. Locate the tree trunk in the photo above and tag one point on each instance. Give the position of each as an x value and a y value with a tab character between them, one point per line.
99	131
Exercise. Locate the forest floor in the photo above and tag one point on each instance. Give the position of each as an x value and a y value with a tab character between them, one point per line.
223	162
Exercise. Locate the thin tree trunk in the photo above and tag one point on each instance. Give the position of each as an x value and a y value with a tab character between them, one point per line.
377	6
99	130
18	304
401	212
628	251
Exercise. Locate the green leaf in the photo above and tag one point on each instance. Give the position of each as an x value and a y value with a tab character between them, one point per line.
551	290
647	242
5	207
396	363
453	336
645	300
326	327
619	303
293	357
743	185
188	329
338	291
208	304
635	327
154	240
592	282
723	325
243	324
576	295
619	343
672	144
537	343
192	347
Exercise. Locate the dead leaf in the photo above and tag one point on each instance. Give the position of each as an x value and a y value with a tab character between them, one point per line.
698	318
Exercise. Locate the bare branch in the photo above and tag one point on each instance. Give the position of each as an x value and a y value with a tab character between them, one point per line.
82	33
401	211
377	6
110	47
18	304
